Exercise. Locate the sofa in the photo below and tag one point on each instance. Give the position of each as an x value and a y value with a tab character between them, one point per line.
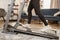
48	14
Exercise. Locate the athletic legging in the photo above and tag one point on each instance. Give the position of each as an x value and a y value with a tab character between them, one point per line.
36	5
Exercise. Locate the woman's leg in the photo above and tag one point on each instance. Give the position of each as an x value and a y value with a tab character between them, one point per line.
30	7
36	5
27	26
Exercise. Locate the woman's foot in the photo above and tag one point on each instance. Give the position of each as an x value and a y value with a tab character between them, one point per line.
28	27
48	29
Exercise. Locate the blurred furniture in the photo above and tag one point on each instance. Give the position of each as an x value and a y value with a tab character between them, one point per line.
2	13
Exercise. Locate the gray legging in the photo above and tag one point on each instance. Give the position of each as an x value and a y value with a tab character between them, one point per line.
36	5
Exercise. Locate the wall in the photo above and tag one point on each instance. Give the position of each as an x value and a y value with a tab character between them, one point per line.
4	4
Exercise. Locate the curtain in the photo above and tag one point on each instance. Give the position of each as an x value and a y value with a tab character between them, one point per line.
55	4
59	3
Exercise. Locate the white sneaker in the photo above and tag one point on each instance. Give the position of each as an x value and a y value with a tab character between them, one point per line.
45	28
28	27
48	29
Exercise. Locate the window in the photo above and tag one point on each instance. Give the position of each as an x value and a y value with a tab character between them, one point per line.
45	4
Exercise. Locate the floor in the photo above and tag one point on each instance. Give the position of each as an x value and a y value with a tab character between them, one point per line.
35	25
